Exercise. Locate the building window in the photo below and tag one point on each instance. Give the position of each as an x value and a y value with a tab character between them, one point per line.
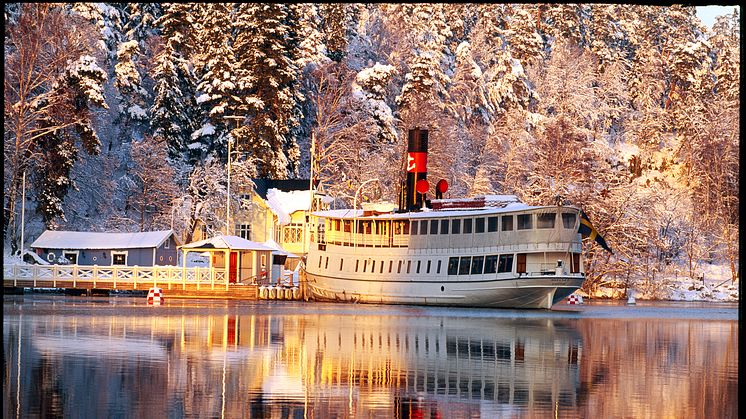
467	225
476	265
452	266
119	258
505	264
479	225
524	222
545	220
463	267
167	243
292	233
243	231
568	220
490	264
507	223
492	224
71	256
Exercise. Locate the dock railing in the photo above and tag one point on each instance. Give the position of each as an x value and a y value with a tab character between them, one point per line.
68	276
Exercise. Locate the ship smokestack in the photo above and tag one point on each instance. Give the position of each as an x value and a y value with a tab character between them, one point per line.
416	168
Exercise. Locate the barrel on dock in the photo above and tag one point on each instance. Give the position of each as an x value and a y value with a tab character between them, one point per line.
271	292
296	293
263	292
155	296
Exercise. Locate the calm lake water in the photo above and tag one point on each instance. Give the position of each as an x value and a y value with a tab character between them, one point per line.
96	357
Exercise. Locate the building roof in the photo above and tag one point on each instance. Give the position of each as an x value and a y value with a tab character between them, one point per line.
100	240
279	250
285	185
226	242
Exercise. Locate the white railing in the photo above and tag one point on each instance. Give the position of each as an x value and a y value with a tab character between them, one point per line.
63	276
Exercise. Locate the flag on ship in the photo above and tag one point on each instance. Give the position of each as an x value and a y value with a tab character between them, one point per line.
586	229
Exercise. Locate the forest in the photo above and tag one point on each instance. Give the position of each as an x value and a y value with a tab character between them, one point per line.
120	116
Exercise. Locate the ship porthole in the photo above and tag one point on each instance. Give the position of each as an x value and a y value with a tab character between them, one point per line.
442	288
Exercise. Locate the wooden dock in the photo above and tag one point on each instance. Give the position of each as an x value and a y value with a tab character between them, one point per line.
176	282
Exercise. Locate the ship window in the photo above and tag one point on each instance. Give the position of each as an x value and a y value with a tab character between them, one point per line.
409	265
414	227
357	264
452	266
347	226
456	226
467	225
433	226
398	270
320	257
406	226
373	267
492	224
490	264
365	264
419	262
507	223
336	225
524	222
521	263
423	227
476	265
568	220
428	267
391	265
341	263
545	220
443	226
463	266
479	225
575	265
438	271
505	264
381	271
326	263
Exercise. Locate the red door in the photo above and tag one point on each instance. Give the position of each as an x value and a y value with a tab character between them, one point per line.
233	269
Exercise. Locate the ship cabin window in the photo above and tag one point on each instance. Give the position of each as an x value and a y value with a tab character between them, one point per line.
405	223
463	266
398	270
456	226
505	264
507	223
357	264
479	225
409	265
391	265
575	265
326	263
568	220
521	263
337	225
381	271
438	271
347	226
492	224
341	263
428	267
476	265
467	225
452	266
415	224
524	222
423	227
419	262
433	226
373	267
545	220
443	226
490	264
320	257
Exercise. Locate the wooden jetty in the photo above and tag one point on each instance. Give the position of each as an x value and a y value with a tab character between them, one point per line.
176	282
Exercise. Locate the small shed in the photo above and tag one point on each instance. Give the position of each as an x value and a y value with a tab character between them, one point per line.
247	260
281	260
148	248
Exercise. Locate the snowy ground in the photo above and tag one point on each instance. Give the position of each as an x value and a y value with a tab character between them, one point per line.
716	286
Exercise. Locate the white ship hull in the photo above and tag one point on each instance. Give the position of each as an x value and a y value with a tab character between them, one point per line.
526	292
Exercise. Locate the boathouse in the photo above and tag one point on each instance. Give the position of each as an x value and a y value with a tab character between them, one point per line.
248	261
149	248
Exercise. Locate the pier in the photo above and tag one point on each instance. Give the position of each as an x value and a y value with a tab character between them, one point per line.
177	282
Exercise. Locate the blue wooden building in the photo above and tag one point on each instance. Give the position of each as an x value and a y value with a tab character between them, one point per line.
148	248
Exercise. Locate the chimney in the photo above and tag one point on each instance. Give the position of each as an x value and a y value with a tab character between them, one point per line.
416	168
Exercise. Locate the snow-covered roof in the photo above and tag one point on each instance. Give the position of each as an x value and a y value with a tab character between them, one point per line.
227	242
98	240
279	250
285	203
428	213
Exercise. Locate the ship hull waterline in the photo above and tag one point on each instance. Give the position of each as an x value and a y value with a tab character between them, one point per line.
530	292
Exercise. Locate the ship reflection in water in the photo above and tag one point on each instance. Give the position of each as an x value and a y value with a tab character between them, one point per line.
106	358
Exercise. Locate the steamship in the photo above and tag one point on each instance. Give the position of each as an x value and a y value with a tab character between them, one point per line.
485	251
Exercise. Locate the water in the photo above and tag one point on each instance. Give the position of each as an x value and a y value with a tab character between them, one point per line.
117	357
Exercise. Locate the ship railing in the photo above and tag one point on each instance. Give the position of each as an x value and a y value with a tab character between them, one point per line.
63	276
366	240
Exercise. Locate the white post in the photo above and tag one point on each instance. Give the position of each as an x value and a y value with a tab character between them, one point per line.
23	211
228	194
